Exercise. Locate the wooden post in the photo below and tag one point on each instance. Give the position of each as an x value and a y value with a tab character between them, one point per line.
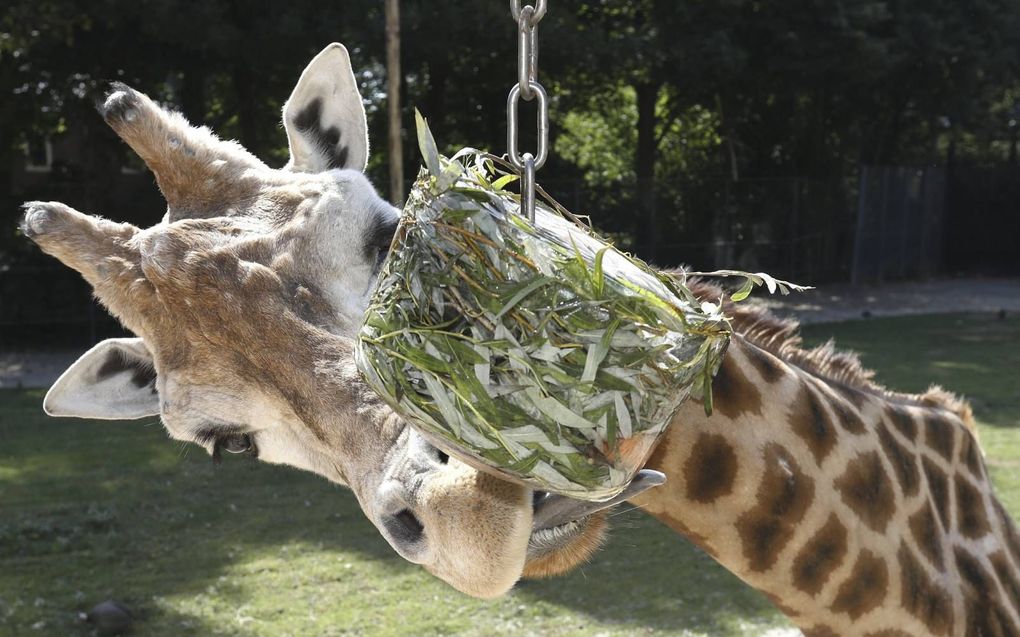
396	147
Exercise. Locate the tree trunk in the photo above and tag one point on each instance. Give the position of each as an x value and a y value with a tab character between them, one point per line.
646	233
396	147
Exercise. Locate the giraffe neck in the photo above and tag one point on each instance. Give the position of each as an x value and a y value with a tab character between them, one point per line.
855	512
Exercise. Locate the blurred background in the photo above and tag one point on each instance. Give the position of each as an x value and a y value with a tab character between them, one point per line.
824	141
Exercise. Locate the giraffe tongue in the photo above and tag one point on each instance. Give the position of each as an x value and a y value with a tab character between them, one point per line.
553	510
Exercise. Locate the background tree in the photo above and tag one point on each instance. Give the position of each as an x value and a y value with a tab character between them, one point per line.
664	112
393	83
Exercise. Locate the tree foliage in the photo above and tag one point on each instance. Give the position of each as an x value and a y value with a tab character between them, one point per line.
649	91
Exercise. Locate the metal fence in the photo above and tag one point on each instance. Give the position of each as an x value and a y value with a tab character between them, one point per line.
50	306
900	220
796	228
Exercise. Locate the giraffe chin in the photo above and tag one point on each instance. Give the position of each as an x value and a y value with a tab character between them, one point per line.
557	550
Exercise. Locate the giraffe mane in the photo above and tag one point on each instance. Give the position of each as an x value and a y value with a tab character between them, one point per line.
781	337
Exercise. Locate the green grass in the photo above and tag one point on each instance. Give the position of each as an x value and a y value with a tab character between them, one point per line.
91	511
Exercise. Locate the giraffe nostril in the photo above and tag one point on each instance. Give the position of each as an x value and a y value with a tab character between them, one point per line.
405	527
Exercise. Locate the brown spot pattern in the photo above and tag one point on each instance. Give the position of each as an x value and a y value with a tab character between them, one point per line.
770	367
866	489
971	516
923	598
985	619
904	421
892	632
732	394
810	421
822	555
970	455
1009	530
938	489
1007	577
902	459
711	469
939	435
982	602
928	536
865	588
848	416
783	496
820	630
854	395
973	573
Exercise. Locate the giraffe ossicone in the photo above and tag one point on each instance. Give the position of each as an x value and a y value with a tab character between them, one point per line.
858	511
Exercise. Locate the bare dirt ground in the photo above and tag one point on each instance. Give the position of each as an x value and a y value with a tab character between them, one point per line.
828	304
843	302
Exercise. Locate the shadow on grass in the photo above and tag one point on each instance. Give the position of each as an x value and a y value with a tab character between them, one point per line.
649	576
99	510
96	510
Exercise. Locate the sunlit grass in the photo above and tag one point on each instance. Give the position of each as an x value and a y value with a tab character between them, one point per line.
92	510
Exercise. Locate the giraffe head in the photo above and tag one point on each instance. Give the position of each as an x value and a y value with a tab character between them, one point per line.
244	300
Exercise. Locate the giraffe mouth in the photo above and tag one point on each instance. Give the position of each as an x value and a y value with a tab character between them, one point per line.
557	519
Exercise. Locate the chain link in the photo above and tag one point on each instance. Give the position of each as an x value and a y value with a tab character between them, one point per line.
513	100
540	7
527	88
527	52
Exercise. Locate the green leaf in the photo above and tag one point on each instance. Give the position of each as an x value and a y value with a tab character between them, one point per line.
599	281
597	353
706	394
502	182
427	145
522	293
751	279
582	266
744	291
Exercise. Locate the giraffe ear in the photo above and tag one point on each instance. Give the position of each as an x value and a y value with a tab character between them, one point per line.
324	117
114	380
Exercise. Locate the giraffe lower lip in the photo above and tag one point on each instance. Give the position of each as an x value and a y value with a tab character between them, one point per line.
549	540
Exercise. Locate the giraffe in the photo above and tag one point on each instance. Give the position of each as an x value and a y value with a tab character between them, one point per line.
245	300
857	510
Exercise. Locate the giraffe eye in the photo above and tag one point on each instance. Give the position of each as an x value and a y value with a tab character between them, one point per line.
237	443
234	443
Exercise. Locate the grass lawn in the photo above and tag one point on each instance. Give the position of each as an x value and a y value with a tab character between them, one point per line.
91	511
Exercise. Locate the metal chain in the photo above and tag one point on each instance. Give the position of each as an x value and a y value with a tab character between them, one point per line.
527	88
